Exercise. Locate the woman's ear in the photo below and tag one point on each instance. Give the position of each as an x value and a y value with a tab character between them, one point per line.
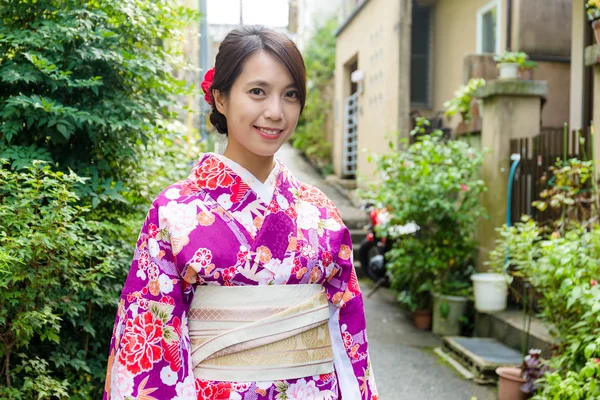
220	100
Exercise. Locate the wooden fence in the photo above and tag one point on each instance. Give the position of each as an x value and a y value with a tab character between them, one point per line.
537	155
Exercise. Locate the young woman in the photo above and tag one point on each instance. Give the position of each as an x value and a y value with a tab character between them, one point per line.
242	284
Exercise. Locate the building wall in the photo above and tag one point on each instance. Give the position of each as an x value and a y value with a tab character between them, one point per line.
372	39
454	37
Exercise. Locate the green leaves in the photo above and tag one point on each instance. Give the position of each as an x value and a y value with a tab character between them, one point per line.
435	184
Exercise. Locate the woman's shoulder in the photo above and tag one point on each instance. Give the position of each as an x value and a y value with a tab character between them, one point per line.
180	190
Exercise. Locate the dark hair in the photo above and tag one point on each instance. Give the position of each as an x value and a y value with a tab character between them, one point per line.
241	43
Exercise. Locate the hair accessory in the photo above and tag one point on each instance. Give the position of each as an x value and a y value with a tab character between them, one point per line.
206	84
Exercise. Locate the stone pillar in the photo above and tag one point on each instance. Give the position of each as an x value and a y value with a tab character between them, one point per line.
592	59
511	109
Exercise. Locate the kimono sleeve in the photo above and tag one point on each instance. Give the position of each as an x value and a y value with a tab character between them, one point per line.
149	350
347	327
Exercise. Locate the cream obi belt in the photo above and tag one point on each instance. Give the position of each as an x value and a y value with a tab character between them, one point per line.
260	333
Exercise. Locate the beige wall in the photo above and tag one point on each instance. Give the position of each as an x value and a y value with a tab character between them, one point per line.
455	36
371	38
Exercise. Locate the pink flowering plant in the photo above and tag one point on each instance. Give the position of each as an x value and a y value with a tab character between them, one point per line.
434	183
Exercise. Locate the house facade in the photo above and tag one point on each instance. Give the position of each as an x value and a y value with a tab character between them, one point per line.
395	58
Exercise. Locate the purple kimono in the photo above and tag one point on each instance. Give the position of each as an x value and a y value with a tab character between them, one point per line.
221	226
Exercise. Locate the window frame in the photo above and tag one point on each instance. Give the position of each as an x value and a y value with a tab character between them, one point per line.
479	34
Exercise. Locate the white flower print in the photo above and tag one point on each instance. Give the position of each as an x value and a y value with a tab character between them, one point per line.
121	384
225	201
301	390
180	219
282	201
166	284
284	271
273	265
153	248
172	194
186	390
141	274
168	376
308	215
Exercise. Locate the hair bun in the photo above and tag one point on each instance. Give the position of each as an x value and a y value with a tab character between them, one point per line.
219	121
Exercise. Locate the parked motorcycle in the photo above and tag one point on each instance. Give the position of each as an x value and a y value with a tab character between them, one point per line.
374	246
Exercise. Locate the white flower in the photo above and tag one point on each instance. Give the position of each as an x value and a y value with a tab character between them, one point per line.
273	265
153	248
121	384
308	215
141	274
282	201
180	219
168	376
302	390
186	390
172	194
166	284
225	201
235	396
245	218
282	275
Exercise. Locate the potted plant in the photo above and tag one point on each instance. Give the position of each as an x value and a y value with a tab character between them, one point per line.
435	184
593	13
510	63
516	383
526	69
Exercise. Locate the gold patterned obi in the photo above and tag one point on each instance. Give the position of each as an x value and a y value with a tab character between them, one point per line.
260	333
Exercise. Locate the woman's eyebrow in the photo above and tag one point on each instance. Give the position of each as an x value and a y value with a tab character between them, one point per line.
262	83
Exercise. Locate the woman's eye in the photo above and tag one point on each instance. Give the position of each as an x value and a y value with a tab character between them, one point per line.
256	91
293	94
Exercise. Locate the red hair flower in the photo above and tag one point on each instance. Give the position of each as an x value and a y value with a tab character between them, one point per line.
206	84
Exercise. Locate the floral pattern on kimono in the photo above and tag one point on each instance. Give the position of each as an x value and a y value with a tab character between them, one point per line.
222	227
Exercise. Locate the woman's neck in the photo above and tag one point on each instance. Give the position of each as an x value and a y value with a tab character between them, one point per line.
258	166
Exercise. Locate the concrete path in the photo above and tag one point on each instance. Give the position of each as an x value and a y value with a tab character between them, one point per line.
403	361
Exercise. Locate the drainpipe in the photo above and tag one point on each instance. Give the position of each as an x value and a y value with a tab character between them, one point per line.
509	6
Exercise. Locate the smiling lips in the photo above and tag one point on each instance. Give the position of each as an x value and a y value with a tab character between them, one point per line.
268	132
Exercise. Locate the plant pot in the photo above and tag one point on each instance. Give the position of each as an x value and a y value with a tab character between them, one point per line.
450	324
596	28
526	74
490	291
422	319
509	71
509	383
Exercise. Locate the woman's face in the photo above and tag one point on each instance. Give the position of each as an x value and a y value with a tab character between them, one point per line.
262	108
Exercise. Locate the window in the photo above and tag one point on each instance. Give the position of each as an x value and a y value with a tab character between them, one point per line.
488	23
420	62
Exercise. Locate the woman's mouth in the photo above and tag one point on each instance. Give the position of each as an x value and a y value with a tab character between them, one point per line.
268	133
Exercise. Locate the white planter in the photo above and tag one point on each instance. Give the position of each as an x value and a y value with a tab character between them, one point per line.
491	291
509	71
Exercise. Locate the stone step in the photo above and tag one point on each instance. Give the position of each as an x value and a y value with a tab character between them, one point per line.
507	327
357	235
480	356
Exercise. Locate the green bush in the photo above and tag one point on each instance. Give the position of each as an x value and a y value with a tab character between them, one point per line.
55	264
86	83
435	184
88	87
561	261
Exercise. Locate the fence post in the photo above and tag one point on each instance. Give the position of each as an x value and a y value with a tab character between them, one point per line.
511	109
592	59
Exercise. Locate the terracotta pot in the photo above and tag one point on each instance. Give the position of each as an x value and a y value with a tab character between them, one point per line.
526	74
596	28
509	383
422	319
